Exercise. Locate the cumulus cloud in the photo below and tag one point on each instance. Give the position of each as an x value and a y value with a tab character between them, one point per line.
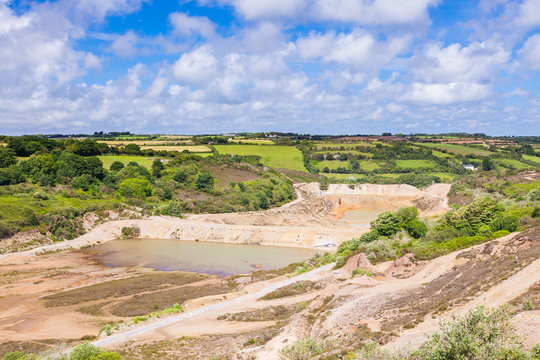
444	94
530	52
186	25
358	48
372	11
196	67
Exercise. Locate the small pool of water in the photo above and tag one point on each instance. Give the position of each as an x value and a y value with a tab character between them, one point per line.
203	257
360	217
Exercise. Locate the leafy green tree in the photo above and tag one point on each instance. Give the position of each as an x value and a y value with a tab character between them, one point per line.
180	176
132	149
81	182
205	182
386	224
157	167
263	200
416	228
488	164
472	216
7	158
407	214
135	187
116	166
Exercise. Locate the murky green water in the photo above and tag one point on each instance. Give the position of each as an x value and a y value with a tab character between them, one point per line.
360	217
204	257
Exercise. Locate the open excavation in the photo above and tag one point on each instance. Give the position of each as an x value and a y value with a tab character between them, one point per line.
253	316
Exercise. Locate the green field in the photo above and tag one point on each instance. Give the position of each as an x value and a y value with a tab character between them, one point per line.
144	161
514	163
534	159
441	154
368	165
458	149
333	164
285	157
415	164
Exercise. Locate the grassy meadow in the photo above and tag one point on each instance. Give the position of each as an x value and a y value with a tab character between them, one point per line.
287	157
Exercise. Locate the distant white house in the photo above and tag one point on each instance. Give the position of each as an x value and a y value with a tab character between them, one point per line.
470	167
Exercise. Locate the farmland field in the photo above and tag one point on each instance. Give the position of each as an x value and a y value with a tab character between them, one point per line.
141	160
253	141
345	146
141	142
179	148
458	149
512	162
415	164
534	159
287	157
333	164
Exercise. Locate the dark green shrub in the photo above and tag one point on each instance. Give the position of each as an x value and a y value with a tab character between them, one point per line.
205	182
386	224
505	222
173	209
416	229
84	351
407	214
116	166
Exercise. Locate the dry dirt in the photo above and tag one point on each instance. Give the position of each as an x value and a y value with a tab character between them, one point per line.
346	308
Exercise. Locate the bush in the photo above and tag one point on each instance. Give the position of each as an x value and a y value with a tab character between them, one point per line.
116	166
19	355
471	217
173	209
416	229
87	351
205	182
84	351
81	182
407	214
137	188
505	222
386	224
481	334
306	348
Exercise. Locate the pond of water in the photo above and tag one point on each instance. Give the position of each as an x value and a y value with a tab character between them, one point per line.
360	217
203	257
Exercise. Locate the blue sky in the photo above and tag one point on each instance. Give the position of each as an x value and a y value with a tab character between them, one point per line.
307	66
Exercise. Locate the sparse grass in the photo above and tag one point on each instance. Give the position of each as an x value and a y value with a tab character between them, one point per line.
287	157
516	164
299	287
535	159
345	146
149	302
122	287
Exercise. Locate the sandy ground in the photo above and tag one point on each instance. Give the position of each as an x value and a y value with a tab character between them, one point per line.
310	221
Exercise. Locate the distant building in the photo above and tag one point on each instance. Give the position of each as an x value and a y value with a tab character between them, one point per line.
470	167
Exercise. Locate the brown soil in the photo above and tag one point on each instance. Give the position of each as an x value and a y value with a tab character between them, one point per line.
122	287
158	300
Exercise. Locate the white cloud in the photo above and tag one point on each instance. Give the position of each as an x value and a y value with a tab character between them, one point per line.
357	48
529	13
372	11
196	67
125	45
265	9
476	62
530	52
445	94
192	25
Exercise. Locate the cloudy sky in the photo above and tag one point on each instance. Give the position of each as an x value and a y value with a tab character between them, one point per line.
317	66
